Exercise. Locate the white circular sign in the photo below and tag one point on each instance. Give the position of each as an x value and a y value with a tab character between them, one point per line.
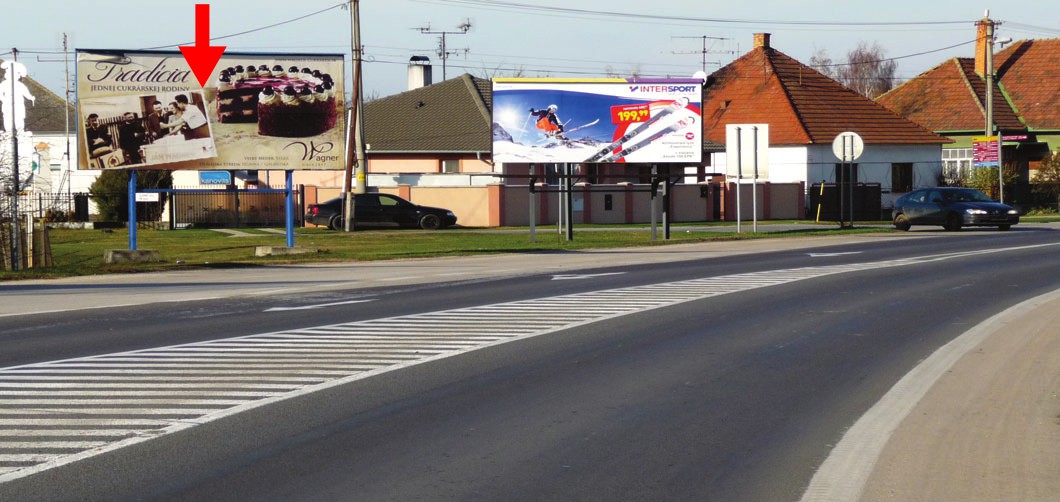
848	146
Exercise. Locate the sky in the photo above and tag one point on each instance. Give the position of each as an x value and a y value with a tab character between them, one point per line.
528	38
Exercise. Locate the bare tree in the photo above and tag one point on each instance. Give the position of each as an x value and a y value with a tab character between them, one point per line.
822	62
867	71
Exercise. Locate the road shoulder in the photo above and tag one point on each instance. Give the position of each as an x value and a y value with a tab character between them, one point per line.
989	429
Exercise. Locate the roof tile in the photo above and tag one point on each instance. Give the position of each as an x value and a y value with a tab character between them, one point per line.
801	105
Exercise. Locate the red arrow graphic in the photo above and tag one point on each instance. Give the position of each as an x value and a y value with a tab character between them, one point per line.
202	57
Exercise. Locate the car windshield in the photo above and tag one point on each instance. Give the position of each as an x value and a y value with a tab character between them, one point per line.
966	196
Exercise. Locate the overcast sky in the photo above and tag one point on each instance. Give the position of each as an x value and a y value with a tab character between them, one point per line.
537	38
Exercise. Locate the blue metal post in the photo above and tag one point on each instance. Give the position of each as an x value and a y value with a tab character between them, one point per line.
290	209
132	210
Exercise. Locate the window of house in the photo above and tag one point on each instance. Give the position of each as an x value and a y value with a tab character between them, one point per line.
451	166
956	164
902	177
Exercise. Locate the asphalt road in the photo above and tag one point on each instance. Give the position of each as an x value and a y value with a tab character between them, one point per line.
733	393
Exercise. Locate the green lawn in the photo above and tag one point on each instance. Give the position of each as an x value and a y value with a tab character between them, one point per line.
80	252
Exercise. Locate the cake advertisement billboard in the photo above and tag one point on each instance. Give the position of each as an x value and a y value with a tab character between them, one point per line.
597	120
146	110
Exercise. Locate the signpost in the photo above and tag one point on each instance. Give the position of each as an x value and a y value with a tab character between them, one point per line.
847	147
747	144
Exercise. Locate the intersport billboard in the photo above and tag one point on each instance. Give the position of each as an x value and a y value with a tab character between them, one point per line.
146	110
597	120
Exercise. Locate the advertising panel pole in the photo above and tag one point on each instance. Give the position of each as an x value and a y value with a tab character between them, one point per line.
533	205
289	192
654	188
665	183
132	210
569	211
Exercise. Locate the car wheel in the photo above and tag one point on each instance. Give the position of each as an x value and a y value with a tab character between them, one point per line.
335	222
901	222
430	222
953	223
1004	227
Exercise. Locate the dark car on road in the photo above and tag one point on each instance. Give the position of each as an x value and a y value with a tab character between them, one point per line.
380	210
953	208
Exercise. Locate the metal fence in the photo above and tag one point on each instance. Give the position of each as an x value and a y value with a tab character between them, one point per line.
46	206
217	208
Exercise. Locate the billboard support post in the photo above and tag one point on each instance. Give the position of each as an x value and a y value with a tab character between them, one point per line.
654	198
533	205
569	210
666	207
132	209
289	175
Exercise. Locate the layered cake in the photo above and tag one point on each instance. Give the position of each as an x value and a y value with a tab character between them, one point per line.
290	103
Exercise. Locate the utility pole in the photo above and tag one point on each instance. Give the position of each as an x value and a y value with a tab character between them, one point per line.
705	50
989	75
443	51
356	168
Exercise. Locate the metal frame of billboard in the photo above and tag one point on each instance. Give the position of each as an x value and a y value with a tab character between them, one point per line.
111	83
603	121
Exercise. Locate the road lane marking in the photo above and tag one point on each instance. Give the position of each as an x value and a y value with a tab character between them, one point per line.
574	277
317	306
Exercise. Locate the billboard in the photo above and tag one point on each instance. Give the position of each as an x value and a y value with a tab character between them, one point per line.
146	110
597	120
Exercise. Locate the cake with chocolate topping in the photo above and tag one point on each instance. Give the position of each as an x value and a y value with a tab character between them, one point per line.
292	104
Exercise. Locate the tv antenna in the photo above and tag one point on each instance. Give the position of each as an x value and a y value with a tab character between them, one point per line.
706	50
443	50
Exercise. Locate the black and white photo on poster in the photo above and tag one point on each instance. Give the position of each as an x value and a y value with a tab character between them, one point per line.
145	130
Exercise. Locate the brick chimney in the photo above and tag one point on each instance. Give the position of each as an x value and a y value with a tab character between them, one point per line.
984	31
762	40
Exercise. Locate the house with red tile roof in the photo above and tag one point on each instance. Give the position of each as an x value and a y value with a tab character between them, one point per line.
950	99
806	111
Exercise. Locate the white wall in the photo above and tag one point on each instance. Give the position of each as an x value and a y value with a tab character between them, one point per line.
814	163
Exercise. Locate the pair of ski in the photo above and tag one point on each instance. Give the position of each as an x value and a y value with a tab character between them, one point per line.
562	135
607	153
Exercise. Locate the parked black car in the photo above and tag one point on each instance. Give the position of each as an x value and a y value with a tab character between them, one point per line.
380	210
953	208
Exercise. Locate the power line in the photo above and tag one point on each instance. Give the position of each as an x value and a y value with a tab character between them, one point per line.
659	17
281	23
